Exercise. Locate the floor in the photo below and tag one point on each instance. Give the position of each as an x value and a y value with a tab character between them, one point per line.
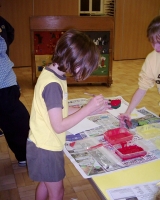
15	183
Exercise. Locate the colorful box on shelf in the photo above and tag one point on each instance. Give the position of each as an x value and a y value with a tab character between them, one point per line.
118	135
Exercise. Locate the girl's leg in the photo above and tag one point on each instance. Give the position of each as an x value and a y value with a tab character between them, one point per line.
55	190
41	192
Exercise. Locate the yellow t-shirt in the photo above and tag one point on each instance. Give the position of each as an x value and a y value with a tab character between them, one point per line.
41	131
150	73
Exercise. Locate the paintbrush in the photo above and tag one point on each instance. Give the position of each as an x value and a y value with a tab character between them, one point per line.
92	95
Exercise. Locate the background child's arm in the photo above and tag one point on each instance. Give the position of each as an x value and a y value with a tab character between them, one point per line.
137	97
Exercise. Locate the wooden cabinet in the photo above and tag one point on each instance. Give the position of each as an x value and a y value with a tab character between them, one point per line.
100	29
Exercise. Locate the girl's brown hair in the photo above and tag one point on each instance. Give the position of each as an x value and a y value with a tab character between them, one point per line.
153	30
76	54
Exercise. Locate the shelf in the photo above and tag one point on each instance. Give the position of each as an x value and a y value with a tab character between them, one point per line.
46	30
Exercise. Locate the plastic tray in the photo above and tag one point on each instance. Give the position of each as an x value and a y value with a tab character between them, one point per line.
129	152
118	135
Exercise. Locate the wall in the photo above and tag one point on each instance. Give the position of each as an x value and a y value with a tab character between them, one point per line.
55	7
132	18
17	13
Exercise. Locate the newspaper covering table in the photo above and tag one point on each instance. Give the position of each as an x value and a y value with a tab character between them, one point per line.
92	155
145	191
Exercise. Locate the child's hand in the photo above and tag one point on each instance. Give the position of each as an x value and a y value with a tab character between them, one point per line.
106	106
97	105
122	118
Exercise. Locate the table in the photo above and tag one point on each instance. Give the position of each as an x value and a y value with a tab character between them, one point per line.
133	173
147	172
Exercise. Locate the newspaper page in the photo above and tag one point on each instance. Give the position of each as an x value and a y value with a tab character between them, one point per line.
92	155
145	191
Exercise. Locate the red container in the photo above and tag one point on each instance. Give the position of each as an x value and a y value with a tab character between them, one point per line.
115	103
118	135
129	152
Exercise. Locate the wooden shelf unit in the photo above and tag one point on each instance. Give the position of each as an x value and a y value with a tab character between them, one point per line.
85	23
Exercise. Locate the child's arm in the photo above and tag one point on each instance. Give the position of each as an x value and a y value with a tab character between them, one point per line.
106	106
136	99
61	124
72	109
103	109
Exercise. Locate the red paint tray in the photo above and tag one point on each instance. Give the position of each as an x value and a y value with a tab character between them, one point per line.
118	135
128	152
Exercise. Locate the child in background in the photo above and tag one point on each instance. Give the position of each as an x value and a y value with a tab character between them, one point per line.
75	53
14	117
157	196
150	73
6	32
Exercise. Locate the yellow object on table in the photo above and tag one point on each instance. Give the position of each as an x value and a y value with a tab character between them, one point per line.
149	131
147	172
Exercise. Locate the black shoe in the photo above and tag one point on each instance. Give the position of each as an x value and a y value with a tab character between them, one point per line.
1	133
22	163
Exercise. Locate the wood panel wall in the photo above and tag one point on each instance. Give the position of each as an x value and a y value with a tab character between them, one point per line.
18	12
55	7
132	18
